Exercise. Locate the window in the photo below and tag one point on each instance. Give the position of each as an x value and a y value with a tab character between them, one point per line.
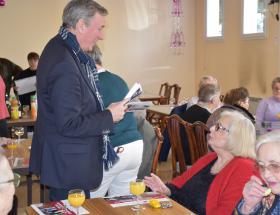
253	18
214	18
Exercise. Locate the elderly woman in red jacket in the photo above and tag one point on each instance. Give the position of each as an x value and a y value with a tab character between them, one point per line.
213	185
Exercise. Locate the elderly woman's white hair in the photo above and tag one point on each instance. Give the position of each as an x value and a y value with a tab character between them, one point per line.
270	137
242	135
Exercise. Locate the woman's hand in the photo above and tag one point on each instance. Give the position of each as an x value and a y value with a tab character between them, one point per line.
253	193
156	184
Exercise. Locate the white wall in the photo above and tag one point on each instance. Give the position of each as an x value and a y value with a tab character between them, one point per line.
136	44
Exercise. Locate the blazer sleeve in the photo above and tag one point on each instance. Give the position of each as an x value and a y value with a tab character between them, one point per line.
231	192
66	98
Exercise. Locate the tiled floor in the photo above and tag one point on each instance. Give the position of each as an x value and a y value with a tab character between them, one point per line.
164	172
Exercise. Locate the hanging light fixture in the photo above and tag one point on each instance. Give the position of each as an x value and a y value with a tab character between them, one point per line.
2	2
177	41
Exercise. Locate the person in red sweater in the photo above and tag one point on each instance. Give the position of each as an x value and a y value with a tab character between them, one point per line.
214	184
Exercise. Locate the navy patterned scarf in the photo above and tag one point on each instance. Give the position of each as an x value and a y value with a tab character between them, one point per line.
109	155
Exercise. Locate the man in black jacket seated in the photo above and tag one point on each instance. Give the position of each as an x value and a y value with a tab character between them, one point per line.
208	101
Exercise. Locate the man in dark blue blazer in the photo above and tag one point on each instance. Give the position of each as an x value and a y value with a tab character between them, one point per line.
70	144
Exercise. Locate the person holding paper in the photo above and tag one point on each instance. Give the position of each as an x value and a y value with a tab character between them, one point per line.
71	142
33	59
125	139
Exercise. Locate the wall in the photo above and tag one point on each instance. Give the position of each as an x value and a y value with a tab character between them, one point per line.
236	61
136	44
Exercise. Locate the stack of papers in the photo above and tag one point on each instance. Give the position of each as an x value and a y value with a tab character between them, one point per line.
119	201
61	207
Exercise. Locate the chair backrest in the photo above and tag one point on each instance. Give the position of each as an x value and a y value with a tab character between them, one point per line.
174	93
157	151
197	141
174	123
196	136
165	92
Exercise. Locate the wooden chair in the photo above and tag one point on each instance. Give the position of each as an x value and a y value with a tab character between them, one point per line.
196	136
164	92
197	140
174	94
157	151
174	124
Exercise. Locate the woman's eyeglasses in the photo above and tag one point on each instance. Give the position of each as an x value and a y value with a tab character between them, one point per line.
272	168
219	126
16	180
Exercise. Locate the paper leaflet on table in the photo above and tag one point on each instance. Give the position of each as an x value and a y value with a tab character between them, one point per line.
126	200
139	105
26	85
57	208
134	91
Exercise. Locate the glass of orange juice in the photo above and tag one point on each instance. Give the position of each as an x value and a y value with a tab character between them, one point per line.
76	198
11	146
137	188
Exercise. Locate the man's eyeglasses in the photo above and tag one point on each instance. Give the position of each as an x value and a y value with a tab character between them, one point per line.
16	180
219	126
273	168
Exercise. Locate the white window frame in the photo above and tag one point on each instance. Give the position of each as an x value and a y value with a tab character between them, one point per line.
256	35
218	37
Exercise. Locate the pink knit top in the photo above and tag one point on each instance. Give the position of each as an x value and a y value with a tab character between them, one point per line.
3	108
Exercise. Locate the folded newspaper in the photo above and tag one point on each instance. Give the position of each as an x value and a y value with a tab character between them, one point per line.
126	200
60	207
135	91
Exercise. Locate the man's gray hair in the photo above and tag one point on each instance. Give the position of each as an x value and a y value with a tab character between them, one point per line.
207	79
81	9
207	92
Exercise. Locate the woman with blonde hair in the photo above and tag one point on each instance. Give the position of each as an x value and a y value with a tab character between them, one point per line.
213	185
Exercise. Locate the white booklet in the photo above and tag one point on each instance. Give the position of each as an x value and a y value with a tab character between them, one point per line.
135	91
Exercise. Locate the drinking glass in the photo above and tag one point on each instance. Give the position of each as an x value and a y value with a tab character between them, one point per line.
12	145
76	198
19	131
137	188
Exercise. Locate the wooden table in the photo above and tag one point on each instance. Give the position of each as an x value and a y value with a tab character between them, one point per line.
22	122
19	161
156	99
156	114
100	207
